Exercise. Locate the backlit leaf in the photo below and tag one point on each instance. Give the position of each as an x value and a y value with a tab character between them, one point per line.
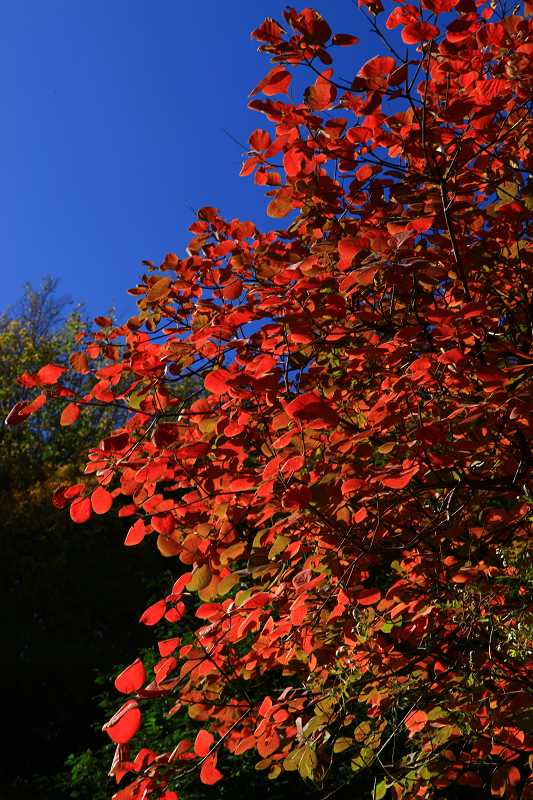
124	724
80	509
209	774
101	500
70	414
203	743
131	678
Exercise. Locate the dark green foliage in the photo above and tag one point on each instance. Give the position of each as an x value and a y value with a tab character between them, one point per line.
62	598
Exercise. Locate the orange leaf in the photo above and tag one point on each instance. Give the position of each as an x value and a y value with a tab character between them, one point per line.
209	774
268	744
50	374
203	743
280	206
159	289
69	415
415	722
79	362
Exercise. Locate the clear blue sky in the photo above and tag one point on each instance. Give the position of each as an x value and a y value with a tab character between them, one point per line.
113	131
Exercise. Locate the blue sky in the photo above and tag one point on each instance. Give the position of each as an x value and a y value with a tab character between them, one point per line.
113	132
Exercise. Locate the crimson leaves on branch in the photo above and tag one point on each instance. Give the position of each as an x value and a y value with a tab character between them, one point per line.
346	493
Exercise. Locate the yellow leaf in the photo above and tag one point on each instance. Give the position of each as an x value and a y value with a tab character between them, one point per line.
227	584
342	744
200	578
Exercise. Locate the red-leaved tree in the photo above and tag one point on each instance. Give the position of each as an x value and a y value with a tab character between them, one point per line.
345	491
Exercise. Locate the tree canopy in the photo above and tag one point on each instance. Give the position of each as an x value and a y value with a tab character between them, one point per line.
346	495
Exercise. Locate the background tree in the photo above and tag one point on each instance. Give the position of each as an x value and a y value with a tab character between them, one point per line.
56	584
350	500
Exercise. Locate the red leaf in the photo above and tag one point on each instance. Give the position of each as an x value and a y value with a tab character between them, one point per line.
243	484
311	24
163	523
260	140
296	162
59	500
416	32
487	90
422	224
50	374
70	414
27	380
400	481
132	678
415	722
209	774
80	510
154	613
217	381
276	82
364	173
136	533
103	322
359	277
344	39
513	775
167	646
296	497
498	784
402	15
124	724
460	29
322	93
367	597
311	407
232	290
203	743
269	31
439	6
101	500
377	67
348	248
115	442
24	409
18	413
352	485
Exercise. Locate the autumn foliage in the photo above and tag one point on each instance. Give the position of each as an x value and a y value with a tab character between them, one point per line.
345	489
